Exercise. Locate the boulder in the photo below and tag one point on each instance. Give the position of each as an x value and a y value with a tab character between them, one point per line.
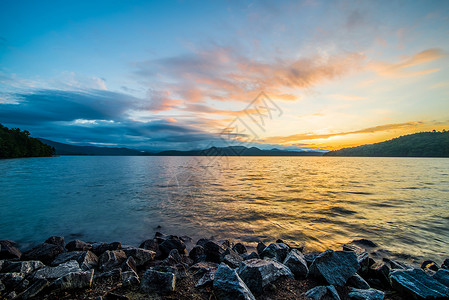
74	280
332	292
260	247
206	280
335	266
78	245
212	251
296	263
25	267
130	278
381	272
442	276
87	260
362	256
204	273
366	294
228	285
231	258
129	265
317	293
310	257
152	245
111	259
429	265
365	243
251	255
11	281
154	280
197	254
172	242
100	248
65	257
227	244
35	288
397	265
114	275
416	283
50	273
56	240
356	281
258	273
8	250
141	256
44	252
276	251
445	264
239	248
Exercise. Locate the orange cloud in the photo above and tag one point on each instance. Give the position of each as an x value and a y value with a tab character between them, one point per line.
400	69
312	136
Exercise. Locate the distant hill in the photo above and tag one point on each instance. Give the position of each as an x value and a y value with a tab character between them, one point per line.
16	143
65	149
238	151
423	144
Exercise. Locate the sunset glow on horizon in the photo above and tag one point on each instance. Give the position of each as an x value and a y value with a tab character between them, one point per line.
173	75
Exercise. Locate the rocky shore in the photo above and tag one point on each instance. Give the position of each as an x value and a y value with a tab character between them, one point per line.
172	267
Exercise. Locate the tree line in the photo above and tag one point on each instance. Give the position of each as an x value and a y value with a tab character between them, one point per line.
16	143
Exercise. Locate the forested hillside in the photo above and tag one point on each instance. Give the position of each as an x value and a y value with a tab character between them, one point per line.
422	144
17	143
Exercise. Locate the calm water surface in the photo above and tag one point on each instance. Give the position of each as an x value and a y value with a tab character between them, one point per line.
401	203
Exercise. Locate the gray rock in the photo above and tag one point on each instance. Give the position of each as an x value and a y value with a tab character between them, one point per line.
11	280
335	266
356	281
212	251
276	251
74	280
362	256
114	275
173	258
197	254
129	265
56	240
203	267
8	250
251	255
44	252
258	273
88	260
50	273
172	242
309	258
381	272
206	279
78	245
153	280
442	276
366	294
239	248
130	278
35	288
65	257
317	293
332	292
417	284
100	248
445	264
25	267
297	264
229	286
231	258
141	256
260	247
111	259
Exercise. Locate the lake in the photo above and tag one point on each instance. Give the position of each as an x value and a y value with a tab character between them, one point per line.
400	203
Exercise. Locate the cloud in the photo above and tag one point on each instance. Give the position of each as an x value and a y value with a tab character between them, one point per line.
347	97
312	136
402	68
224	74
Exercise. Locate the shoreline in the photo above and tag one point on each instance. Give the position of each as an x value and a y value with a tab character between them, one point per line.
172	267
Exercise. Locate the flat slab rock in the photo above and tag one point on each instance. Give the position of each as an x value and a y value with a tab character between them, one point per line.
258	273
50	273
335	266
417	284
154	280
229	286
366	294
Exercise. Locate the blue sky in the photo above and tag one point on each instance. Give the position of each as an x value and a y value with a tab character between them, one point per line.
174	74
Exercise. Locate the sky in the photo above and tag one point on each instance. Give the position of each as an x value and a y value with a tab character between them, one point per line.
160	75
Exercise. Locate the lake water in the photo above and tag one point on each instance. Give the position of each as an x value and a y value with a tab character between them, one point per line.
322	202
